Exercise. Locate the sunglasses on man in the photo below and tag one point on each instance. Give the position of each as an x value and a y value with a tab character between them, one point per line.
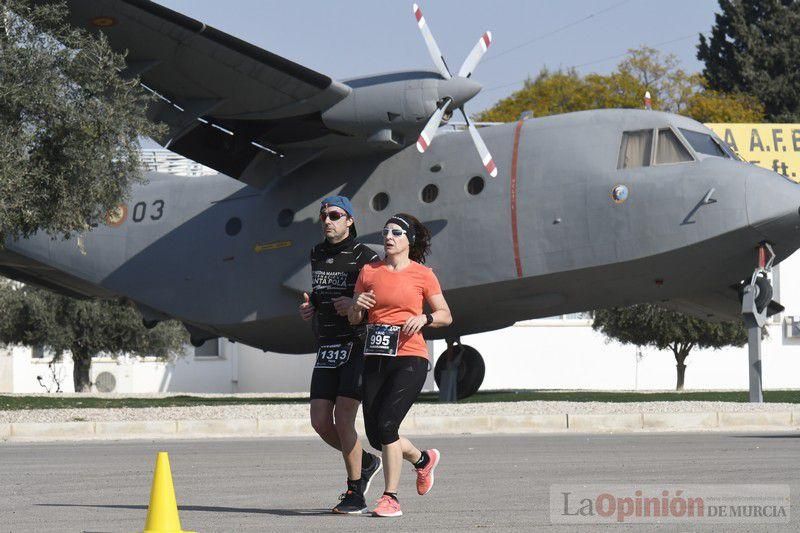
332	215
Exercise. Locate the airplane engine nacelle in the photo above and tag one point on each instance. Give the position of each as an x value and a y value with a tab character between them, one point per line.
388	109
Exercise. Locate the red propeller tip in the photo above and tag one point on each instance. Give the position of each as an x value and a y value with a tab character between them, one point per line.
491	168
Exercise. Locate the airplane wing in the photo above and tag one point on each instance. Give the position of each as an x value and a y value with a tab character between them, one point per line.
226	102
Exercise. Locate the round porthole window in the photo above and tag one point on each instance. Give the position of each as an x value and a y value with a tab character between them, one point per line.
380	201
429	193
233	226
475	185
436	168
285	218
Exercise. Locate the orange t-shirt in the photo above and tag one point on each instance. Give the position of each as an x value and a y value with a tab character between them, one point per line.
398	296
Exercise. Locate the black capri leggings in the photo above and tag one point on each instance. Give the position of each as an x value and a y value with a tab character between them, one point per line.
391	385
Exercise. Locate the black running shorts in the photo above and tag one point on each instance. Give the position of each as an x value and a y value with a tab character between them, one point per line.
345	380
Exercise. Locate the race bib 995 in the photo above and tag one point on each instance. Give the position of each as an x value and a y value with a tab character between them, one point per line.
381	340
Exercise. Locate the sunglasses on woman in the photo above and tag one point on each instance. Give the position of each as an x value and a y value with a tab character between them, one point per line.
333	215
394	231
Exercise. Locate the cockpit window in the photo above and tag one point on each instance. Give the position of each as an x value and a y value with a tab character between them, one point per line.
635	149
669	148
704	143
728	150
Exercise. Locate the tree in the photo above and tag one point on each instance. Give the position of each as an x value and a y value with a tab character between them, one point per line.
566	91
754	48
651	325
33	316
69	123
709	106
644	69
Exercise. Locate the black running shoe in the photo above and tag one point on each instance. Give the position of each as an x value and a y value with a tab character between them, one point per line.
368	473
351	502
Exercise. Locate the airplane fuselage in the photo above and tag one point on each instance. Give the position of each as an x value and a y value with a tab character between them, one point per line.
546	237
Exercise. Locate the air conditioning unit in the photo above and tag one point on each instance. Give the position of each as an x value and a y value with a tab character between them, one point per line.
792	327
105	382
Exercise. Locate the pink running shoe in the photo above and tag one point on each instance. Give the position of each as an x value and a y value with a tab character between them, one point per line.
425	475
387	507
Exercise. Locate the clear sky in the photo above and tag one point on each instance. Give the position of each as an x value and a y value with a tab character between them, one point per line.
351	38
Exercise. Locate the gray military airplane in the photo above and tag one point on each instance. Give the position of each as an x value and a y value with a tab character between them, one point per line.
582	211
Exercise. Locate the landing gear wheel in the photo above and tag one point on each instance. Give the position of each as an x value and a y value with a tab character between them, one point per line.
471	370
763	294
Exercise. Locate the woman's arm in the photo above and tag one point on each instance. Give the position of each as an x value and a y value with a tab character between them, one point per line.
361	303
441	311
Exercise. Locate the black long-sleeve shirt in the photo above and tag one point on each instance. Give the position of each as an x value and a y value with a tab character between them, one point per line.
334	271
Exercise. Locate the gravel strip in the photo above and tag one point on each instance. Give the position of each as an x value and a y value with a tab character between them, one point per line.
295	411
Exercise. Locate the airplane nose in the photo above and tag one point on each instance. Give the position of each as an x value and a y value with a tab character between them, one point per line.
459	89
773	206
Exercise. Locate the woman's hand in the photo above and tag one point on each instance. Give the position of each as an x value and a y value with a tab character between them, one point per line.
365	301
414	324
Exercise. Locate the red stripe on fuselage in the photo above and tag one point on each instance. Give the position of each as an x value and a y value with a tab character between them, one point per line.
514	231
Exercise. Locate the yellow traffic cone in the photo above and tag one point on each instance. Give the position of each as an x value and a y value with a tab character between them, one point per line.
162	514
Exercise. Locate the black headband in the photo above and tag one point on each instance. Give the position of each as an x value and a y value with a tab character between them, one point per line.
403	223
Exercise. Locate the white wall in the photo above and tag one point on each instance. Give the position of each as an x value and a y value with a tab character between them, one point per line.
186	373
563	354
261	371
6	371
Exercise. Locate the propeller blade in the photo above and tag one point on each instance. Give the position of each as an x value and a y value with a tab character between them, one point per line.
429	131
483	152
430	42
475	55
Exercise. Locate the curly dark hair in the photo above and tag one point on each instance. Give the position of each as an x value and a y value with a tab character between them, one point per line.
421	247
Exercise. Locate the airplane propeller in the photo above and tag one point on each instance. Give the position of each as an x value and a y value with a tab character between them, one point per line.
457	90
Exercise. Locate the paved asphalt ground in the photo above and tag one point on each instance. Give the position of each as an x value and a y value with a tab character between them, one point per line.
493	483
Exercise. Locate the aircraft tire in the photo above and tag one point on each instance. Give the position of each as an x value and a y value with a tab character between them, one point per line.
764	296
471	371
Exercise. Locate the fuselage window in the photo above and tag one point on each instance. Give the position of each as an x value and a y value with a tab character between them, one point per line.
704	143
380	201
285	218
475	185
635	149
429	193
233	226
669	148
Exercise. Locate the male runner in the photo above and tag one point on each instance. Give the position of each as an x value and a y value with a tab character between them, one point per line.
336	381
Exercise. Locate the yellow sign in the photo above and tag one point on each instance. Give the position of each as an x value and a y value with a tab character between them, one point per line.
258	248
775	147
